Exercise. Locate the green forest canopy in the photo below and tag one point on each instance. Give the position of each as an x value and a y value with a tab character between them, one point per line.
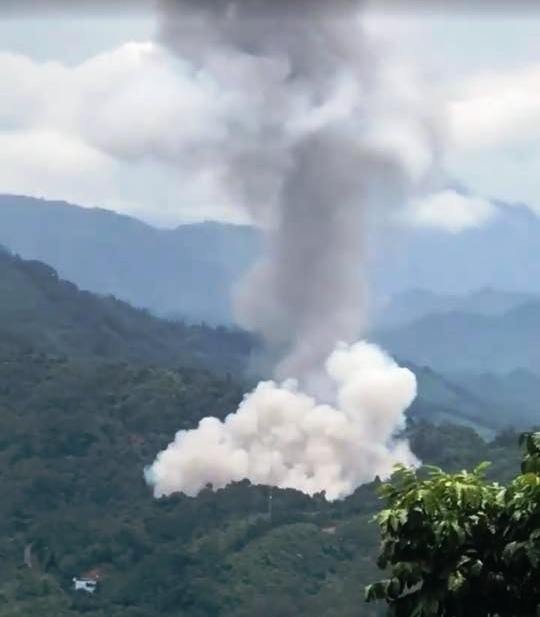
75	435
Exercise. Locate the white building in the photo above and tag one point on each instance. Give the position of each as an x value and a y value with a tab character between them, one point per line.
84	584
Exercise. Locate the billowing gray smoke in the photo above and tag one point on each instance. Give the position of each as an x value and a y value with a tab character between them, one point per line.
327	137
321	138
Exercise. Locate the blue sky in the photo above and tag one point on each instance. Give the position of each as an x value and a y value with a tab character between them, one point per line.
72	38
92	98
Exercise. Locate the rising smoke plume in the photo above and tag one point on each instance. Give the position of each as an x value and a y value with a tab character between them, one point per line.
325	140
282	437
327	136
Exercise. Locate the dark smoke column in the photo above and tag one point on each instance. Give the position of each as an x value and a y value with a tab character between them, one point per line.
321	139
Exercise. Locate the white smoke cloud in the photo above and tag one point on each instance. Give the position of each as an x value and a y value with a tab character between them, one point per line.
282	437
321	137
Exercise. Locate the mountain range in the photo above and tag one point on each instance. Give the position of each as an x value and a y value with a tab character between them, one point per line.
91	388
190	271
413	304
502	253
42	312
187	272
457	342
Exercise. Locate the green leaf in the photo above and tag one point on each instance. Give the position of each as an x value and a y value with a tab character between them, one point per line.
480	469
455	581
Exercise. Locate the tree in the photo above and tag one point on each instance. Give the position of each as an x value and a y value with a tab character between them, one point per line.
458	546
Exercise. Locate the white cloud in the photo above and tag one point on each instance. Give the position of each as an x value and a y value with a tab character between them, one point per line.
47	163
497	109
450	211
485	69
140	131
494	122
102	133
136	130
139	102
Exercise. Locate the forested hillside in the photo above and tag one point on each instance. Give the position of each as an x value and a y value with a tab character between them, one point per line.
90	390
75	437
39	310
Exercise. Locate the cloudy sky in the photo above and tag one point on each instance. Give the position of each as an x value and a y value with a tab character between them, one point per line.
94	110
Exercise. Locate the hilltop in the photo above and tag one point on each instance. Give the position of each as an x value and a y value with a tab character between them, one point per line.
40	310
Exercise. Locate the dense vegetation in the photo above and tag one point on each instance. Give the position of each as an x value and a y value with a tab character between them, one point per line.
90	390
458	546
75	436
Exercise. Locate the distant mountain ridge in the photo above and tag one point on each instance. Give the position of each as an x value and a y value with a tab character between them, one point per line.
408	306
503	253
187	272
191	271
518	390
486	332
458	342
